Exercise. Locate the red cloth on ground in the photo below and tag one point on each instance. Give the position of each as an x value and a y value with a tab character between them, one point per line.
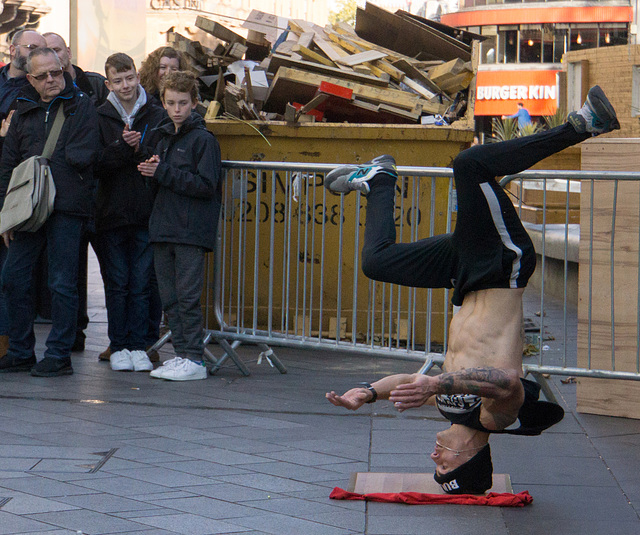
494	499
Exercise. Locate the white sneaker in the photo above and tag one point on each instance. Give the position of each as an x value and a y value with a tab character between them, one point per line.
181	370
141	362
166	365
121	361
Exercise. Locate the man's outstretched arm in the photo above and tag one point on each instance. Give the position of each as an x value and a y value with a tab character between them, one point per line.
356	397
497	384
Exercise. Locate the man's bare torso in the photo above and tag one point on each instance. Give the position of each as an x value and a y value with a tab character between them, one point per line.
487	331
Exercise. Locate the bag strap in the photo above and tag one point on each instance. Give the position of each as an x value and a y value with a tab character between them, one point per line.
54	134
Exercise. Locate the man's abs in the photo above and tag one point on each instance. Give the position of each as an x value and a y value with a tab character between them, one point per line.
487	331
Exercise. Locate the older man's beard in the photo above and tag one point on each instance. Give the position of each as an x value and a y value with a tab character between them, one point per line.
20	62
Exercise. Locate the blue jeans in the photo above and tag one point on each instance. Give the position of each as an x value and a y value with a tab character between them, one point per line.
127	261
61	236
180	272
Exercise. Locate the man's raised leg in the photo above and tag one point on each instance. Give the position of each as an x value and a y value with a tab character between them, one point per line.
427	263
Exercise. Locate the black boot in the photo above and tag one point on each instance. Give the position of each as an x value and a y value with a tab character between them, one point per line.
52	367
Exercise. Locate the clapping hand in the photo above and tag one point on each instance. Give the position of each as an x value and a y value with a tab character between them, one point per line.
148	167
131	137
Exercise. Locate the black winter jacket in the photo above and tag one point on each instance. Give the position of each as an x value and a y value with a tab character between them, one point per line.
188	185
74	155
123	197
92	83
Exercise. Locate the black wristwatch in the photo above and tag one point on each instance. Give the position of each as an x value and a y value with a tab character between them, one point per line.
370	389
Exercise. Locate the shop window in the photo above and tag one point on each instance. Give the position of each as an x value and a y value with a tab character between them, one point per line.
547	43
530	46
488	51
583	38
612	36
508	46
560	41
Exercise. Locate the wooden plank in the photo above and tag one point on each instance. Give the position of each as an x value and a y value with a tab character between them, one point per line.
377	67
278	61
194	49
293	84
418	88
299	26
459	82
458	34
446	70
237	50
311	55
385	66
392	55
416	75
344	28
604	396
412	115
608	397
536	215
218	30
406	36
306	39
286	47
362	57
334	53
532	193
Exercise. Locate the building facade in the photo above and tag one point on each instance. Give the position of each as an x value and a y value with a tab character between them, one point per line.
525	44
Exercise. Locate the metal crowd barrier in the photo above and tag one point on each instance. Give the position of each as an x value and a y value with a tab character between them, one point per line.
286	272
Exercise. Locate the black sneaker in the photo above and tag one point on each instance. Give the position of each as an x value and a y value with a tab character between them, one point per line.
52	367
596	116
10	364
78	343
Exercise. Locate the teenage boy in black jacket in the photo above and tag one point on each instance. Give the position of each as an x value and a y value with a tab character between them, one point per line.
72	169
128	123
186	174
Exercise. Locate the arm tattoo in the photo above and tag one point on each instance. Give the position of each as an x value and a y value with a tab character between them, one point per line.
486	382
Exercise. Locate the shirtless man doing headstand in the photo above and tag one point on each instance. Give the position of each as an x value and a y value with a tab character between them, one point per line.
487	260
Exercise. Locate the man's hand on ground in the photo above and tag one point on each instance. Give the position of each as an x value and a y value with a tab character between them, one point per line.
414	394
352	399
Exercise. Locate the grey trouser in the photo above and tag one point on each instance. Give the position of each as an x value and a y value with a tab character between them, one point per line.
180	273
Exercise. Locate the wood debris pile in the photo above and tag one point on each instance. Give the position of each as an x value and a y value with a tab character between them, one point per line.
392	68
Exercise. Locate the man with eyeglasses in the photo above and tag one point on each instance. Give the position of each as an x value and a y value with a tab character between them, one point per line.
50	90
13	77
487	261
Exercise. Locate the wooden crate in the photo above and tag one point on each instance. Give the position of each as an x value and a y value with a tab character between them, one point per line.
535	215
531	193
607	396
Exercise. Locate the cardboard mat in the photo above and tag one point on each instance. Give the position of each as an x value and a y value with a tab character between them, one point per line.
374	482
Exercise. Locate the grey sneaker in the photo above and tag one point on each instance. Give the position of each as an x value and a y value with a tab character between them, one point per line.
355	177
596	116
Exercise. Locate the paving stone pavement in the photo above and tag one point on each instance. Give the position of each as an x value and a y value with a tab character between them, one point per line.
103	452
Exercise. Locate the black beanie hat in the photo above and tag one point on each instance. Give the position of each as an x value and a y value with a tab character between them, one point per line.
472	477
